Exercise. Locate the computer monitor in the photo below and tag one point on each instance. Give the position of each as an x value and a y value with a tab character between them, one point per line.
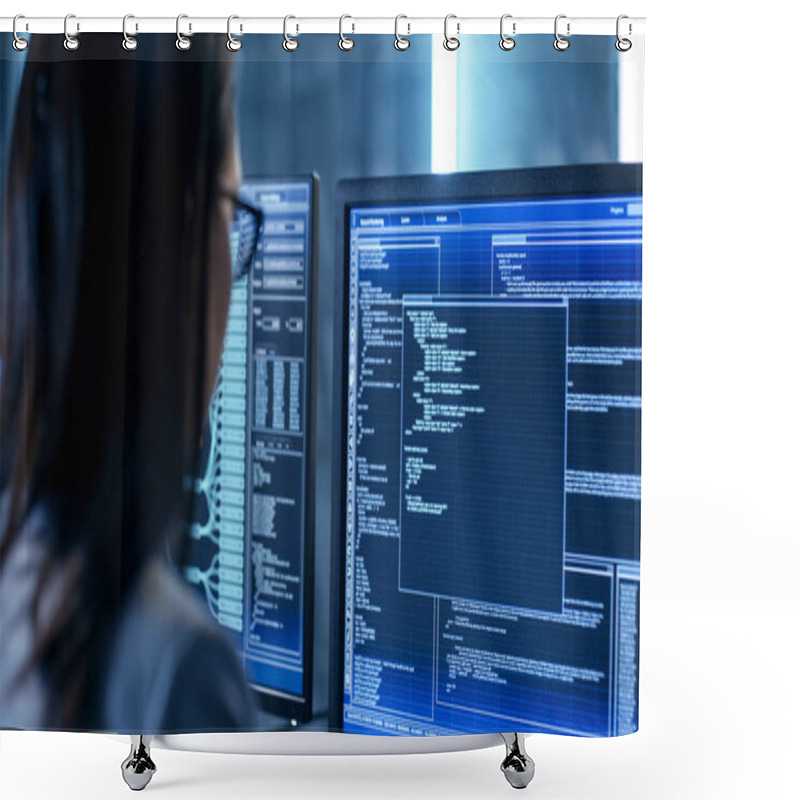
251	554
486	566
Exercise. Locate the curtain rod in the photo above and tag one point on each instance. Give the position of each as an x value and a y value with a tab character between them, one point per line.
513	26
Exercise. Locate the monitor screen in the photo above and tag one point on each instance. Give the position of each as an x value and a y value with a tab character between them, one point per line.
251	555
488	570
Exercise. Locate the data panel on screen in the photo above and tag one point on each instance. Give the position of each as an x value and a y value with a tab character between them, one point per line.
252	538
492	412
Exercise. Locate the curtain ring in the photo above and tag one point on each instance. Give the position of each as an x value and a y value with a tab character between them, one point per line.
451	42
345	42
71	43
290	44
182	42
233	44
623	45
401	42
19	44
128	42
561	43
507	42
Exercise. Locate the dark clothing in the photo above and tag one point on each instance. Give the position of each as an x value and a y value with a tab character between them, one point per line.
171	670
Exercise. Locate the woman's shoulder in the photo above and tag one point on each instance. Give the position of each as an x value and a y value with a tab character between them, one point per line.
163	595
172	667
22	691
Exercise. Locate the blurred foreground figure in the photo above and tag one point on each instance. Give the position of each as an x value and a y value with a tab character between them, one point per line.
115	289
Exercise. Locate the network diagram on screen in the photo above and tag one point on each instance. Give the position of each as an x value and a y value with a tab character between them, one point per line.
249	557
493	468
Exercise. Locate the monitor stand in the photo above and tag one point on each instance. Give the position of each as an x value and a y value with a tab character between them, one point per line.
517	766
139	768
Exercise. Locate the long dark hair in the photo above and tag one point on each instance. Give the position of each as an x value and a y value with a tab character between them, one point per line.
112	179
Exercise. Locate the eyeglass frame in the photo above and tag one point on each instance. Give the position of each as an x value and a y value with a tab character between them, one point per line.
239	203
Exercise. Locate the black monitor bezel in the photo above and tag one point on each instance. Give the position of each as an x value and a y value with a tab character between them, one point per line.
583	180
274	701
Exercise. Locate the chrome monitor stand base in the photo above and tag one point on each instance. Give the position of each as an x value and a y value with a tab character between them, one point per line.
139	768
517	766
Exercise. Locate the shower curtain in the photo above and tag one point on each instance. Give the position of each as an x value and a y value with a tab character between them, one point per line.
320	400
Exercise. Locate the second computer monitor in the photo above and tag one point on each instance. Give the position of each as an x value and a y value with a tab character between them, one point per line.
252	539
488	565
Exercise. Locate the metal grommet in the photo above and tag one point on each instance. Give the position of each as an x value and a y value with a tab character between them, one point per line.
560	43
233	44
71	43
128	42
451	43
19	44
401	42
290	44
345	42
182	42
507	42
623	45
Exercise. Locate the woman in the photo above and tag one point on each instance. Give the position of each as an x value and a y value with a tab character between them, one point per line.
115	290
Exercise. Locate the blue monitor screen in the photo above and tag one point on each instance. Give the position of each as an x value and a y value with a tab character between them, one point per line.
250	557
491	564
